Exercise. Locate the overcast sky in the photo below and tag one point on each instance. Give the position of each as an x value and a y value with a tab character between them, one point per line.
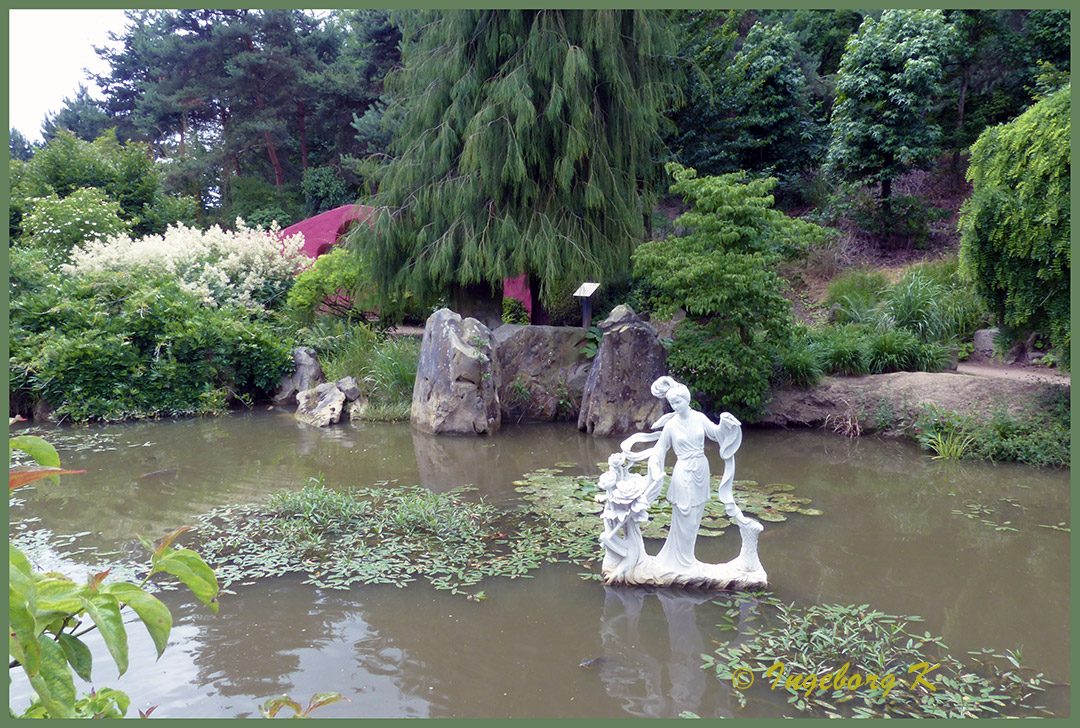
49	51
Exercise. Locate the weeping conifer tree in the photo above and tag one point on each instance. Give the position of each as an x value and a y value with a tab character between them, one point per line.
528	141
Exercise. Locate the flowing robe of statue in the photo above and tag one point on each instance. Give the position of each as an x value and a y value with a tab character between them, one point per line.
684	431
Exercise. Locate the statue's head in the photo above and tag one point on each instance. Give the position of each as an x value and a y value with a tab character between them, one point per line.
675	393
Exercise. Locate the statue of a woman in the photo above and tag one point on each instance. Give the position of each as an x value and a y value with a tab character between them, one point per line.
684	430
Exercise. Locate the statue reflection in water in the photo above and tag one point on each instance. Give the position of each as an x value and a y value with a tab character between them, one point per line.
645	685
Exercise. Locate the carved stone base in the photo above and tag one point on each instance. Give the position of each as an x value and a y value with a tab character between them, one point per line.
732	576
743	572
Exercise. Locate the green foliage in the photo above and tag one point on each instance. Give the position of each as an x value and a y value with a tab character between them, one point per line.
124	173
114	346
841	641
799	364
338	283
19	147
59	224
513	312
272	707
528	142
748	100
855	291
324	189
48	613
380	535
258	202
1041	437
1015	227
722	273
384	366
888	77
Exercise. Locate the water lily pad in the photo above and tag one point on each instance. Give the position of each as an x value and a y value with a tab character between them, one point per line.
571	500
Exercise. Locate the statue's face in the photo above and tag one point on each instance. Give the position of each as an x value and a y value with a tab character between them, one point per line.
679	399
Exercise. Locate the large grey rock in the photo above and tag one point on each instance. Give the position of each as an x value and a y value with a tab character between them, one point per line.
617	398
456	388
543	371
307	374
349	388
320	406
983	348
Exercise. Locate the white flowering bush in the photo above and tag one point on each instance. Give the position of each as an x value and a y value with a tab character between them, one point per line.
251	267
58	224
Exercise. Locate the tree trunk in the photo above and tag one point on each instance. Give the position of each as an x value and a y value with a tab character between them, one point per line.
300	110
478	301
959	121
540	315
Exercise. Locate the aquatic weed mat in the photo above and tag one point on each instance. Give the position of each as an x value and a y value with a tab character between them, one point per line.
852	661
398	535
383	536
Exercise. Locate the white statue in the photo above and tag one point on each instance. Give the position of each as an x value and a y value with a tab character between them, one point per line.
627	496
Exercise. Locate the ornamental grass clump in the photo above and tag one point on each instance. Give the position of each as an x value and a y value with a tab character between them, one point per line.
251	267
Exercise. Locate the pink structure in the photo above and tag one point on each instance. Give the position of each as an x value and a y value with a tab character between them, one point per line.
325	229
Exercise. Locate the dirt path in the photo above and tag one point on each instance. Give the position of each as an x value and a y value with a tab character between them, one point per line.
1037	374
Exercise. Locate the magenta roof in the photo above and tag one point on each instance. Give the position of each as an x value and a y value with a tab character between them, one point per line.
323	230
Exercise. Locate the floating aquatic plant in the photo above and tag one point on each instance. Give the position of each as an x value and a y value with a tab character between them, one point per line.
571	500
382	535
811	643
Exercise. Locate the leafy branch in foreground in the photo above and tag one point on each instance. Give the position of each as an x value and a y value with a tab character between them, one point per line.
48	612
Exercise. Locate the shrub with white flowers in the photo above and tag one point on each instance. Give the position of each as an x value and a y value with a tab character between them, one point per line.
58	224
251	266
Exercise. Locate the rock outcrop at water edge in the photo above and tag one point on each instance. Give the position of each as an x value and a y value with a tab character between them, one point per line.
543	371
457	378
617	399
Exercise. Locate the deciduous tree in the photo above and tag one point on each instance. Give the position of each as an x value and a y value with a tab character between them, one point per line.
886	86
1015	234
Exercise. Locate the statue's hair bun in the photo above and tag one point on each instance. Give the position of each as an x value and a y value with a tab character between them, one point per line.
661	386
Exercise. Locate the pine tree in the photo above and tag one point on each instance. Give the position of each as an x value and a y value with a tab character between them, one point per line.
528	141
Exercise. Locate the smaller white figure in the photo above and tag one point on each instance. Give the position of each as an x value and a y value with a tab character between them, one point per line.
625	507
683	431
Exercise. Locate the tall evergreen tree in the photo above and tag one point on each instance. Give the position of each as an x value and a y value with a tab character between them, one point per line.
19	147
82	115
528	141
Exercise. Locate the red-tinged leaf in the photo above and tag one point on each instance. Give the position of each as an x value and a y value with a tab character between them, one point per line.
272	707
146	713
168	539
96	579
320	700
18	477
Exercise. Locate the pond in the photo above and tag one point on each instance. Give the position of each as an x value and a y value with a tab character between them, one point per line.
965	545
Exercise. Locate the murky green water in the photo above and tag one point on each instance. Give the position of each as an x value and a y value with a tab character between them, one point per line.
889	538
